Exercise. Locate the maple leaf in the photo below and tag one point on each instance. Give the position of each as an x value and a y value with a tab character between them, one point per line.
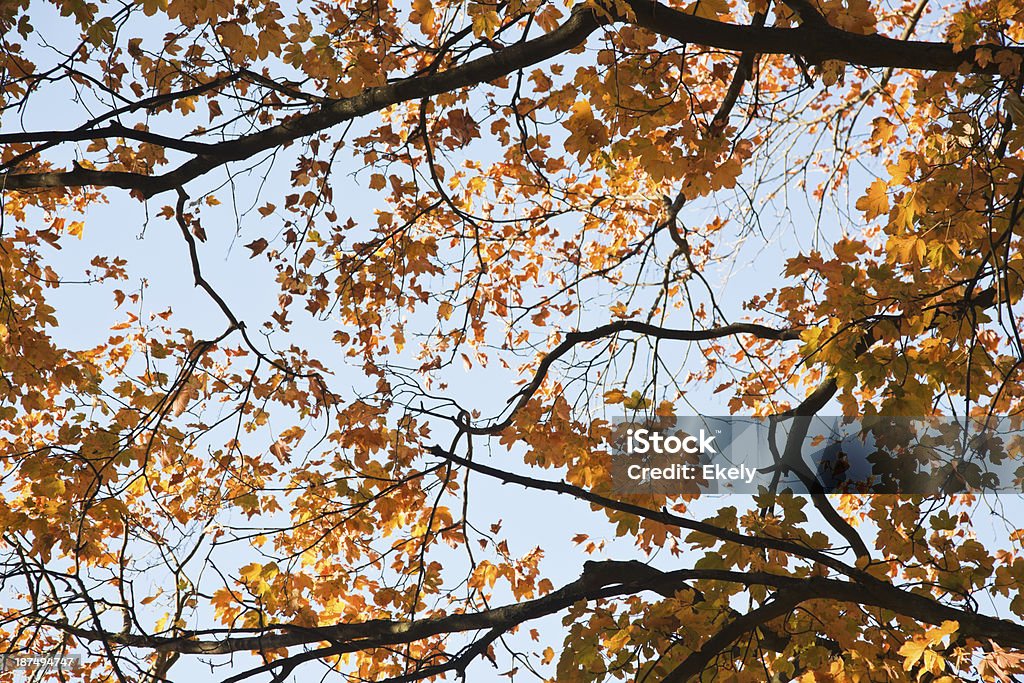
875	201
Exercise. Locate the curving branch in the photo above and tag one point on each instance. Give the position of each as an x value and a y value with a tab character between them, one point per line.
573	339
814	40
581	23
696	663
599	581
111	130
661	516
792	459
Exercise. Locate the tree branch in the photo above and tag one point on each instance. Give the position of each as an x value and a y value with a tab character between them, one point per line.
111	130
660	516
573	339
599	580
814	41
695	663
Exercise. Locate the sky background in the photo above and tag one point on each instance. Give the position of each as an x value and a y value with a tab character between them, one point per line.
158	259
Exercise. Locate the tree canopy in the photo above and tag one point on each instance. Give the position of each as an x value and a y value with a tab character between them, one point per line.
511	221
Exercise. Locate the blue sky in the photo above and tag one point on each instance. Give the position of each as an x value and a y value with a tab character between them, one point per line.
158	257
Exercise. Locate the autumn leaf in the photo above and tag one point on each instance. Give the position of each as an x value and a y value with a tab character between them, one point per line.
185	395
280	451
485	20
257	246
425	10
586	133
876	201
614	396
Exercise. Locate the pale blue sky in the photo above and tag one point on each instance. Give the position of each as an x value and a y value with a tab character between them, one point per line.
157	254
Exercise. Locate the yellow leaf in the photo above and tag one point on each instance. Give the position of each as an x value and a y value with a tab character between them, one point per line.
709	9
614	396
912	651
425	10
186	105
586	132
876	201
485	21
250	572
948	628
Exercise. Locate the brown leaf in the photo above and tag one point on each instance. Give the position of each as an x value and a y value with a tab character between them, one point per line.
181	401
257	247
279	451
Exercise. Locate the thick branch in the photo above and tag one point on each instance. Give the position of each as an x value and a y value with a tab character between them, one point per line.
792	459
600	580
572	33
744	72
814	41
